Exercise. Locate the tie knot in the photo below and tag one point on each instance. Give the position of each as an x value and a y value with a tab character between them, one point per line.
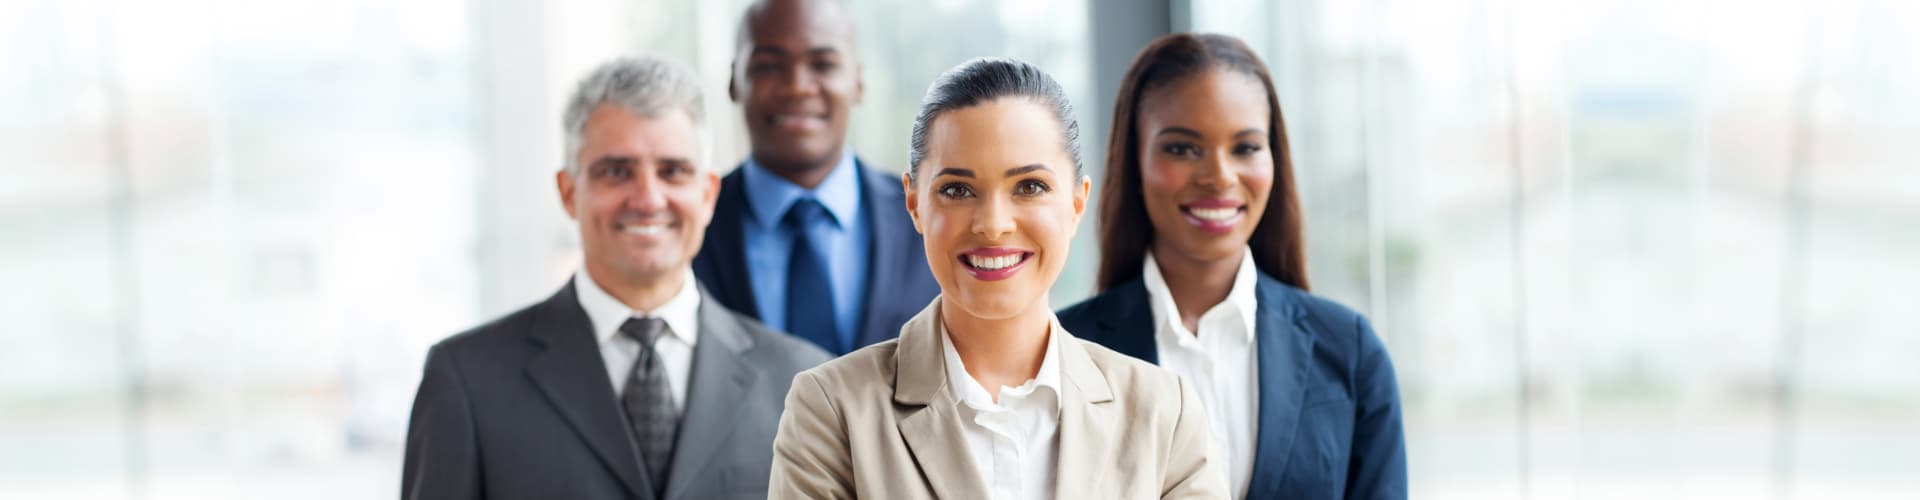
644	330
803	213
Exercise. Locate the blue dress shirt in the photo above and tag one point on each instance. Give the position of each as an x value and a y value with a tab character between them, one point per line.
845	237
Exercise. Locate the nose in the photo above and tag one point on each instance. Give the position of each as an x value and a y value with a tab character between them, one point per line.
796	82
1217	172
648	194
994	219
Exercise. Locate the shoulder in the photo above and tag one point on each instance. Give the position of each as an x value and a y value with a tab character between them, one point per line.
1083	318
1131	377
1345	333
512	328
880	182
778	349
859	383
868	366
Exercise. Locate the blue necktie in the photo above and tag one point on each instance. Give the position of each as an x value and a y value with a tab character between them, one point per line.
809	288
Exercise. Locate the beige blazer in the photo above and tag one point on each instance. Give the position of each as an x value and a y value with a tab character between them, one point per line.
881	423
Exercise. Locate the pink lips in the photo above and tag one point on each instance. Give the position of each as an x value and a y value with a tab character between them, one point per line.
992	252
1214	225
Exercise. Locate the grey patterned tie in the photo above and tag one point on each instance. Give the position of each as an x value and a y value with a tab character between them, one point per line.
648	402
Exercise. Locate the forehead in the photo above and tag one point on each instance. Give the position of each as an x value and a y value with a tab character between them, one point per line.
795	27
612	130
996	135
1211	97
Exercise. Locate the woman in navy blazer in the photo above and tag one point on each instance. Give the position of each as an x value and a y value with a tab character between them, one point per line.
1202	271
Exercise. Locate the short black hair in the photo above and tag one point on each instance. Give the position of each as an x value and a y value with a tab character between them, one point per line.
984	79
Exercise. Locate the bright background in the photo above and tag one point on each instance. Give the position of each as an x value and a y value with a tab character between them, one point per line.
1619	249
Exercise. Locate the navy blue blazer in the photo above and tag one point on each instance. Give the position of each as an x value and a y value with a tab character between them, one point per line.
898	282
1329	423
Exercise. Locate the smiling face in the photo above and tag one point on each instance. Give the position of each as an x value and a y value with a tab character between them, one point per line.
796	80
641	203
998	203
1205	165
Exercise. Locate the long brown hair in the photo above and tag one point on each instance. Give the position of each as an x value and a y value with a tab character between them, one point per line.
1125	231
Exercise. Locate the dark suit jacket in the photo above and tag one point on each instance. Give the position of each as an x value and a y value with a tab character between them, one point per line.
522	408
898	282
1329	423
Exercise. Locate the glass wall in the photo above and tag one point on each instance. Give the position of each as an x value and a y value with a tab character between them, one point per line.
1619	249
229	230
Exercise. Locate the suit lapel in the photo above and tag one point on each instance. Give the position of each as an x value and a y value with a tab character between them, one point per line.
888	269
726	251
930	424
573	377
1286	352
719	379
1087	423
1127	324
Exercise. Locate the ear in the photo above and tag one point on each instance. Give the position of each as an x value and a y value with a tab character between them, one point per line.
712	194
564	181
859	85
913	202
1080	194
733	83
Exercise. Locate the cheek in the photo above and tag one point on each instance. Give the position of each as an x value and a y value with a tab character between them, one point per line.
1258	179
1051	227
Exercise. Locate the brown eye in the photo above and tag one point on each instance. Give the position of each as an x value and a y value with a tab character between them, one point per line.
956	191
1247	148
1031	188
1180	149
614	171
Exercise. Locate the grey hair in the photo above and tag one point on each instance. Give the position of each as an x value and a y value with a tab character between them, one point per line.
984	79
645	86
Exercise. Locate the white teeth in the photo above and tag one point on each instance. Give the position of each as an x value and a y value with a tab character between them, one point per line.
646	230
993	263
1215	214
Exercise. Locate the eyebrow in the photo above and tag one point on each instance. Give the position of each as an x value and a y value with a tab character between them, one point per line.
1178	131
1196	134
1028	168
777	51
956	172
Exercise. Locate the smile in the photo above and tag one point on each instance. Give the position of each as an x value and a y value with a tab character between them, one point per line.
994	264
646	229
1214	216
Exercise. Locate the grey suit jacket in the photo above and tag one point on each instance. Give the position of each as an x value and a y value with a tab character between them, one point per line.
522	408
881	423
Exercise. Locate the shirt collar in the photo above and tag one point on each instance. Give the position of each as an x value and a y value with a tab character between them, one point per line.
608	313
1241	297
969	392
770	195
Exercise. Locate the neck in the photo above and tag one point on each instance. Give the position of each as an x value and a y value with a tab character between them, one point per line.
1196	284
640	292
803	174
999	352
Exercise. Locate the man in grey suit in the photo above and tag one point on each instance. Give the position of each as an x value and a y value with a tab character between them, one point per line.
631	381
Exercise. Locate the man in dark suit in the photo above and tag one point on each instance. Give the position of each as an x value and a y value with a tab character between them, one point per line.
806	237
631	382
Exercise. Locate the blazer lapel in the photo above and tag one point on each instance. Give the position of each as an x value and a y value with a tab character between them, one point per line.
1087	423
719	379
572	375
1126	319
1286	352
725	250
889	267
931	425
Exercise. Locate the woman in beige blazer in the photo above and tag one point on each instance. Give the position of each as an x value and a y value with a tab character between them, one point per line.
984	395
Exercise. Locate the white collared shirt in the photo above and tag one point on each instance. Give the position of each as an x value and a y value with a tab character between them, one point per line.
682	314
1014	443
1222	362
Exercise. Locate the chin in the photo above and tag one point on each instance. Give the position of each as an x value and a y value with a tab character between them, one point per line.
994	304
